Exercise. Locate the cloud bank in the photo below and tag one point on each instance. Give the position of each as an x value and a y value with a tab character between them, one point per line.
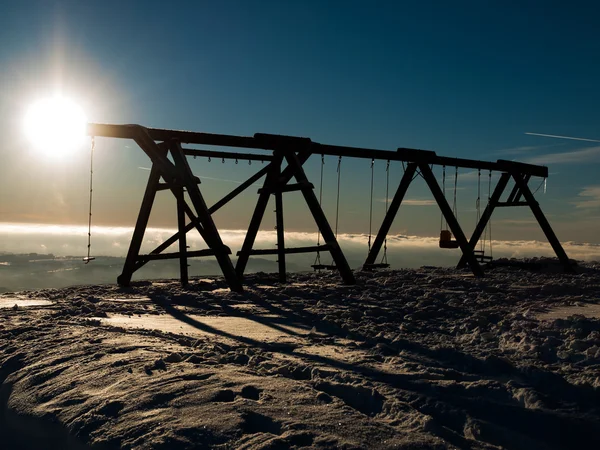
403	251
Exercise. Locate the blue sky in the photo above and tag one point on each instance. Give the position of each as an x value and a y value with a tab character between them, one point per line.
465	79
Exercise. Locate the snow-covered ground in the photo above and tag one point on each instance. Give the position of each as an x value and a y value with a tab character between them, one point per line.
425	358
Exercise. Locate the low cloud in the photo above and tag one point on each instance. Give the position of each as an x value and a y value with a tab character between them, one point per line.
584	155
523	149
23	264
590	198
412	201
403	250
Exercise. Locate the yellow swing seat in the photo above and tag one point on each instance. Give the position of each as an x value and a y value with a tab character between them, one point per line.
446	240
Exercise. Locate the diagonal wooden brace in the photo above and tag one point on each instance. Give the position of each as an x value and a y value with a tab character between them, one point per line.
451	219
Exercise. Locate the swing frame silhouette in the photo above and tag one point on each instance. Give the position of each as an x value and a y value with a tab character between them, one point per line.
285	163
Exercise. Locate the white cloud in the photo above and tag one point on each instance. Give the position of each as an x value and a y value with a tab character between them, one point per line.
521	150
584	155
403	251
591	198
412	201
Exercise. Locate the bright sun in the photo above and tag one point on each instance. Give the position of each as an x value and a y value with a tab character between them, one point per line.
56	126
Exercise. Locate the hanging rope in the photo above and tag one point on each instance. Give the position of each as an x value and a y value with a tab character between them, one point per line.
387	190
490	221
89	245
371	204
478	204
454	208
444	192
443	222
318	258
337	202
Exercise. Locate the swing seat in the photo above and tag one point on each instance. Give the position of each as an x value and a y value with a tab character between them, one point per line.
87	259
446	240
481	257
324	267
375	266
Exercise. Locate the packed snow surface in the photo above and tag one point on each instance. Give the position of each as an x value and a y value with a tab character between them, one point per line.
426	358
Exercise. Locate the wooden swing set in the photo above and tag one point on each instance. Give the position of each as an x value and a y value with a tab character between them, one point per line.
171	172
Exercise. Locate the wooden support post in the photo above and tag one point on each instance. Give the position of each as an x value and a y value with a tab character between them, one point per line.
180	174
140	227
211	234
280	235
452	222
515	193
407	178
257	216
241	188
183	265
526	179
194	223
485	217
288	173
544	224
319	216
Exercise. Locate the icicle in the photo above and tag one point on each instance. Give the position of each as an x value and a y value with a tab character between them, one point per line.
545	181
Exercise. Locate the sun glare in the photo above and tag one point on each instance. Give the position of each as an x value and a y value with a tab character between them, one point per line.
56	126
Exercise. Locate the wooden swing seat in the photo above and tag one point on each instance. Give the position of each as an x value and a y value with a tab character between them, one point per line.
324	267
449	244
481	257
375	266
446	240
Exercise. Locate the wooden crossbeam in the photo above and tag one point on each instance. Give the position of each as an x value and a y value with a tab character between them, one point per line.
509	204
290	187
291	144
179	254
288	250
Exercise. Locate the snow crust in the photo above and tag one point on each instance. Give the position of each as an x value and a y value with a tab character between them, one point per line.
426	358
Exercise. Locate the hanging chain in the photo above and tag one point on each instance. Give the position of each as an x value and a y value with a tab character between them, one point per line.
89	245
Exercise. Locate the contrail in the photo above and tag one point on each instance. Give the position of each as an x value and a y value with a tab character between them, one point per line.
563	137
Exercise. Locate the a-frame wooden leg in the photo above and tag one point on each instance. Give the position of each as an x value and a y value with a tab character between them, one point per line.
319	216
391	214
544	224
452	222
515	194
140	227
211	234
485	217
194	220
180	174
257	216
